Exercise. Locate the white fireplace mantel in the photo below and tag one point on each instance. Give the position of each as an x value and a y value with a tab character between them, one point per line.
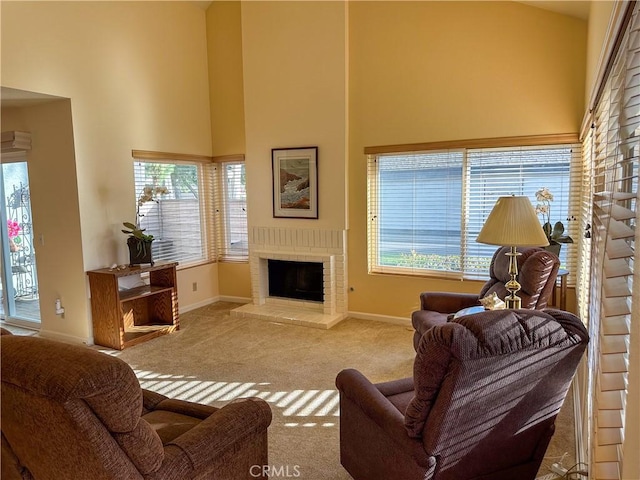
301	245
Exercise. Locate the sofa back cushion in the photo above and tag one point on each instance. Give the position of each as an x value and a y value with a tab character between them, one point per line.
537	272
492	382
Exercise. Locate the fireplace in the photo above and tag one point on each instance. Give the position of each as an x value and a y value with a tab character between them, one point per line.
297	280
318	302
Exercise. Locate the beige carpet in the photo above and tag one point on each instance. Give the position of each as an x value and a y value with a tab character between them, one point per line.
215	358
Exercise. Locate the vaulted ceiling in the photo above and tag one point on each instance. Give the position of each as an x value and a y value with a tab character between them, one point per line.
577	8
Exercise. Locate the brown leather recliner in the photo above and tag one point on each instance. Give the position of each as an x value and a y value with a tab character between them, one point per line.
69	412
481	404
537	272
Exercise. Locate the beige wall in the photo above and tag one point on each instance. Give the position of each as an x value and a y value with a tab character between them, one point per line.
224	46
226	90
136	75
599	22
294	61
430	71
235	281
419	71
204	292
52	181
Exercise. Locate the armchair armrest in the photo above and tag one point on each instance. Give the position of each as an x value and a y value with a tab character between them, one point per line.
447	302
357	388
156	401
217	434
151	399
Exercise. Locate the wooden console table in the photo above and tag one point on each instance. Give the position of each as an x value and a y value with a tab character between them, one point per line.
122	318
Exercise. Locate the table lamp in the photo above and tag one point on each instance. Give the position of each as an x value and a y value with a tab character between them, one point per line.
513	222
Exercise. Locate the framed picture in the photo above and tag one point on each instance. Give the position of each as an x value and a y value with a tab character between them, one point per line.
295	182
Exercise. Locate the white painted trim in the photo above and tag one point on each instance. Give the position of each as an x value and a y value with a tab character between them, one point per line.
63	337
220	298
582	450
613	30
405	322
26	324
203	303
232	299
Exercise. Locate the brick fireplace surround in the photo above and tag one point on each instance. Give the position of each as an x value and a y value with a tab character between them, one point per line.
302	245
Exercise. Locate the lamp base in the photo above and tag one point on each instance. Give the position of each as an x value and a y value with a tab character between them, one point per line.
513	301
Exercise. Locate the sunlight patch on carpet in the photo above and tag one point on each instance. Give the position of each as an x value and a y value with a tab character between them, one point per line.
294	403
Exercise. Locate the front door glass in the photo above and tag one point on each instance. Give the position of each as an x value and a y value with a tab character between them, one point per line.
19	286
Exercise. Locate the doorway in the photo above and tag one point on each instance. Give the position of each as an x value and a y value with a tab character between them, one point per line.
19	279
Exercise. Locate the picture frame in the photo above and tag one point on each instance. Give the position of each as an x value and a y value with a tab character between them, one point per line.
295	182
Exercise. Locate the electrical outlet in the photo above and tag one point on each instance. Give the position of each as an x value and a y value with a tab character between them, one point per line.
194	286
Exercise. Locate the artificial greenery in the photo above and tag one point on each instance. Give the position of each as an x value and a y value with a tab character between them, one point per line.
555	235
137	232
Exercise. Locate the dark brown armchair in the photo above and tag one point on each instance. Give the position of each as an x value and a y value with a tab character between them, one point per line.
69	412
481	404
537	272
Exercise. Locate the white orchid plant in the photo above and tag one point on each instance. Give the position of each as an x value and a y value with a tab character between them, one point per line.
148	194
555	234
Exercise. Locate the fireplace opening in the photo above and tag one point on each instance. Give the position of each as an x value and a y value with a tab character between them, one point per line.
297	280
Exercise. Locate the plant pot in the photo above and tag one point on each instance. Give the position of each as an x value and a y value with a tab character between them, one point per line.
555	249
139	251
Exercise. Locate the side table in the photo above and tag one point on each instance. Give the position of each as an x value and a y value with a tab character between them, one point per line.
562	278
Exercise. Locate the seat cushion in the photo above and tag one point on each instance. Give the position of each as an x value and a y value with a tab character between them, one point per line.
170	425
401	400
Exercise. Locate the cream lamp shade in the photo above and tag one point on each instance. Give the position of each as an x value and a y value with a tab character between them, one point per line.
513	222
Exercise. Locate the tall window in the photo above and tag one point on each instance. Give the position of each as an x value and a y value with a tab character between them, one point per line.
230	205
426	209
174	213
612	148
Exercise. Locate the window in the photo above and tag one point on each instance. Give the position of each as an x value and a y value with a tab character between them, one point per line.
612	148
169	196
427	208
231	209
195	208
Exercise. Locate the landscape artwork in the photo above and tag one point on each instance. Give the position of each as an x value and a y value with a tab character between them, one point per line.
295	182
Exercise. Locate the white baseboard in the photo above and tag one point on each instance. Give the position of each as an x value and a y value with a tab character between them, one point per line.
232	299
26	324
209	301
193	306
405	322
63	337
582	453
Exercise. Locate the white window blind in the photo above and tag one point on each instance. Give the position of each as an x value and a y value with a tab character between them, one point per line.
522	171
426	209
175	218
230	207
414	212
614	152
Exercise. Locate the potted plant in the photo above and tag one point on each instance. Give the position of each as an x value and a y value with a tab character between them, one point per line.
139	243
14	230
555	234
